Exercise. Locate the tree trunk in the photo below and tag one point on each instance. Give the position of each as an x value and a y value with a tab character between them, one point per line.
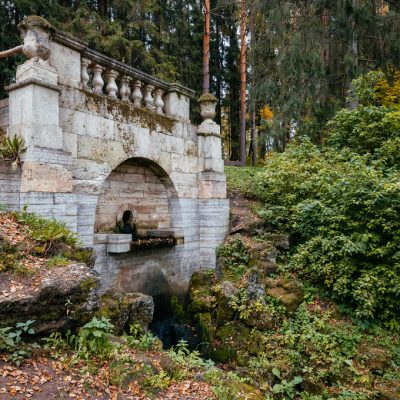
206	48
253	87
243	82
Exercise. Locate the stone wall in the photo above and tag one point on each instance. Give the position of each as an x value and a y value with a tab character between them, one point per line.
4	110
133	186
10	181
113	139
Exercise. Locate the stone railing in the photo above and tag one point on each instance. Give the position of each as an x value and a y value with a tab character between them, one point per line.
103	75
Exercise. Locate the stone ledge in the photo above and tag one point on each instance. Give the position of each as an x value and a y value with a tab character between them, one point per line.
32	81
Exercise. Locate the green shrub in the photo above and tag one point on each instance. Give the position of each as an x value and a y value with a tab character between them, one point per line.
365	130
344	215
93	339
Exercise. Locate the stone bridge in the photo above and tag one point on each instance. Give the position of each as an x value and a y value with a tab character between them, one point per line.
103	137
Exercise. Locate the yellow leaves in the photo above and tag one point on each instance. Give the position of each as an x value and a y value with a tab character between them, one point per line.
266	113
388	93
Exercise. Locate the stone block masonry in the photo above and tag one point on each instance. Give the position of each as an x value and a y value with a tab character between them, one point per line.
103	138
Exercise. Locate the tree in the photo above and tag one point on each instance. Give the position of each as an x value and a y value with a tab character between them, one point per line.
243	82
206	48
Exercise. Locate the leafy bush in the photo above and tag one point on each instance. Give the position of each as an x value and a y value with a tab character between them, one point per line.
365	130
236	256
93	339
344	215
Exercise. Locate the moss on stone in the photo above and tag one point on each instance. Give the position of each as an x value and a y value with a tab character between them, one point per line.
201	297
127	113
35	20
207	97
88	284
205	327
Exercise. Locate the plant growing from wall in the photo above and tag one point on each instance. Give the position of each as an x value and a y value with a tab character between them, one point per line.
11	149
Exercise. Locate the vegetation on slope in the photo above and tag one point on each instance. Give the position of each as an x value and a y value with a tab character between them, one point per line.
341	204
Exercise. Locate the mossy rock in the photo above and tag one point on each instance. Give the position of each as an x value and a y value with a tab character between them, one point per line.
245	391
205	327
224	296
288	292
201	297
222	354
376	358
113	305
169	365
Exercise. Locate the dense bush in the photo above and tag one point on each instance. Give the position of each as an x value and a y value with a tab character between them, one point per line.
341	204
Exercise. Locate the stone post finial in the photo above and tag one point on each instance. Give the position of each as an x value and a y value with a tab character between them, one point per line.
36	32
208	103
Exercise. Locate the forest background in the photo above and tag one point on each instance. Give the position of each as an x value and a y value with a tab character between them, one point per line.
301	55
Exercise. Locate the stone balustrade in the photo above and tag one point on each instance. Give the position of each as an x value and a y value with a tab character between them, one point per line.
103	75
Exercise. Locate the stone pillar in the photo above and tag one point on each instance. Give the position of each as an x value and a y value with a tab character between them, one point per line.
213	204
46	177
176	104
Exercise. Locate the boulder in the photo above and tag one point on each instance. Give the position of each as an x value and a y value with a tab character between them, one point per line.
113	305
271	254
226	293
124	309
201	298
288	292
141	309
255	286
65	297
268	267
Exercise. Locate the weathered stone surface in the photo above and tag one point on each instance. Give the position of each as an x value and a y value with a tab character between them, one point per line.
255	286
124	309
66	297
289	293
200	294
141	309
226	293
79	142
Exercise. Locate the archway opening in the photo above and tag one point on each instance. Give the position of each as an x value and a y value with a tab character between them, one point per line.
141	189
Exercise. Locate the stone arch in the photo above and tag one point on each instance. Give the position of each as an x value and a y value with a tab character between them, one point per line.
143	187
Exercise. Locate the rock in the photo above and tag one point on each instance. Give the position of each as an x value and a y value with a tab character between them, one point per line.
245	391
65	298
205	328
290	300
288	292
169	365
281	241
255	286
141	309
271	254
224	296
220	268
124	309
113	306
377	359
201	298
269	267
262	320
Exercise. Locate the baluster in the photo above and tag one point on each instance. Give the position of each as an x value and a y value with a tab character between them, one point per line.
112	87
85	62
137	95
148	98
97	81
159	103
125	90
